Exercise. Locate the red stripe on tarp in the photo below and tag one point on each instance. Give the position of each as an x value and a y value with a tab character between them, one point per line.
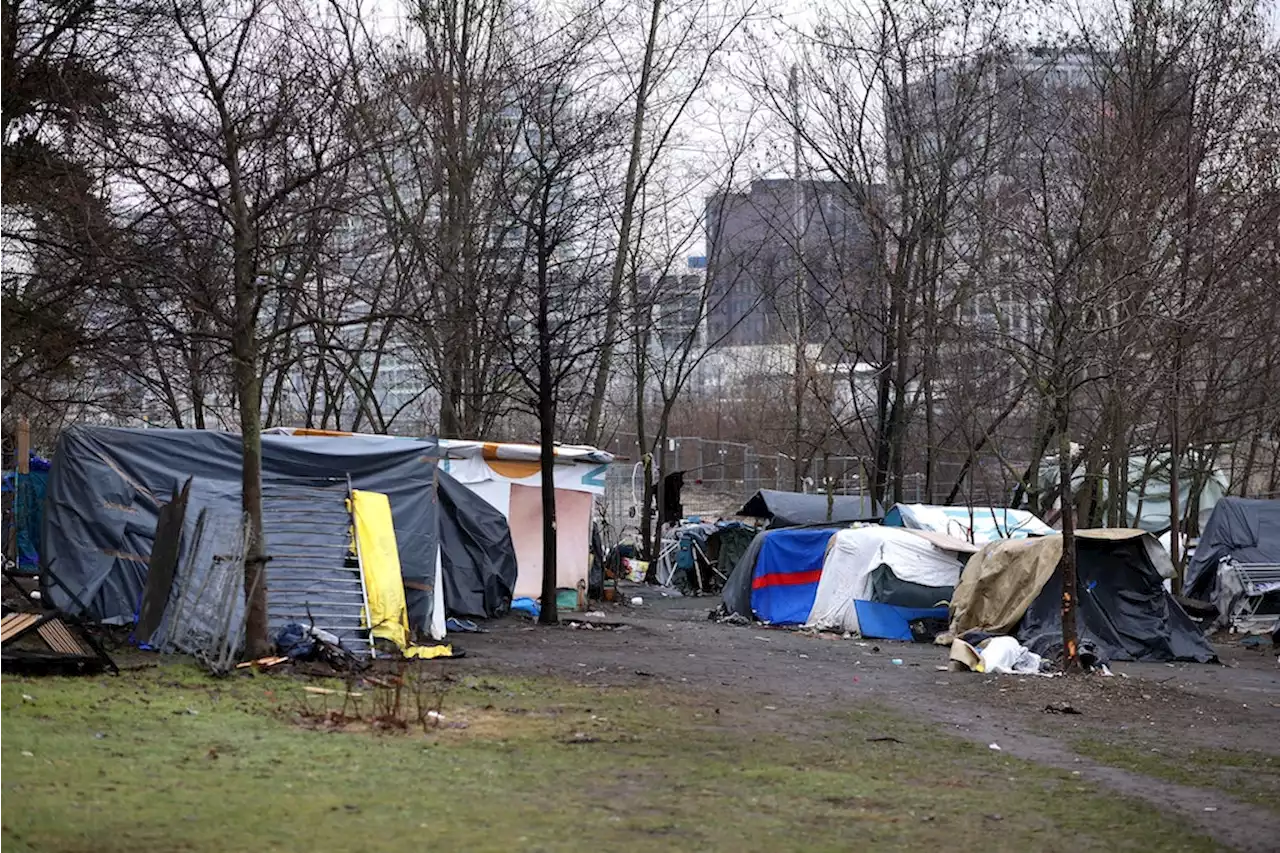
787	579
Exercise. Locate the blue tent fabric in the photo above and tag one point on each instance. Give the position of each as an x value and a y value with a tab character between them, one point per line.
786	575
28	510
890	622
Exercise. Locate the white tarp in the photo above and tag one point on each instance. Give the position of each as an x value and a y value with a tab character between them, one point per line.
854	554
978	524
579	469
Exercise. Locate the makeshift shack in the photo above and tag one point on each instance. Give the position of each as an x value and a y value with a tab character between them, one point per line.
107	486
877	580
787	509
509	478
1014	586
977	524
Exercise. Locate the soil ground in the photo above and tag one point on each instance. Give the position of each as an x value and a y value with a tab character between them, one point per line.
1198	740
651	729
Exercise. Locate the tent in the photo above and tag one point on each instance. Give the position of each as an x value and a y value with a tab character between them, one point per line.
1014	586
1148	477
1240	529
875	580
787	509
978	525
777	577
509	479
107	485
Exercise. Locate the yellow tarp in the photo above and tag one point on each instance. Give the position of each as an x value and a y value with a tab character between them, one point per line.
388	615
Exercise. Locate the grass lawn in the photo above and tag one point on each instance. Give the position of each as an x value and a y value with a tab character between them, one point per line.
165	759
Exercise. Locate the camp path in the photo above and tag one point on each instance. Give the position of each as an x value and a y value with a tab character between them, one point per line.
1193	739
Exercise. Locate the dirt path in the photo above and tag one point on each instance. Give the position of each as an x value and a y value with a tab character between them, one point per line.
1155	707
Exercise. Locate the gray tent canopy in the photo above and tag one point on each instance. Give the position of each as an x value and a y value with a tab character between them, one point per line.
787	509
1246	530
107	485
477	557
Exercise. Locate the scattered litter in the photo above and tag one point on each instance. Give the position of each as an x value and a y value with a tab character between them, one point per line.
883	739
28	754
27	697
1060	708
637	601
941	668
994	746
1211	808
454	625
994	817
594	613
189	711
644	673
274	660
771	707
806	657
896	661
99	735
763	639
435	715
325	691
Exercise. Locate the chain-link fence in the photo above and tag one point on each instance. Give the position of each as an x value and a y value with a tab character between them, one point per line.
721	475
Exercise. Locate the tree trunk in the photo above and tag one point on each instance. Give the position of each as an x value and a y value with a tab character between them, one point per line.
548	614
629	193
1067	565
249	397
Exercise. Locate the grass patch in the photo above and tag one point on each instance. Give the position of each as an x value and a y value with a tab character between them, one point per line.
1250	777
167	759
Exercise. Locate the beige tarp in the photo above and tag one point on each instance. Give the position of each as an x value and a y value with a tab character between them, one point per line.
1000	581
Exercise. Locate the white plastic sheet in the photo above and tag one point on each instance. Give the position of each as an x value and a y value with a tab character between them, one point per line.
854	554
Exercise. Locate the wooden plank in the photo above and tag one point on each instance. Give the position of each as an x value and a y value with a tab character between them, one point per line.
23	462
15	623
61	640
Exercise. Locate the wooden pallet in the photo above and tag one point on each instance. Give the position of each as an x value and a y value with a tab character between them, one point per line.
56	635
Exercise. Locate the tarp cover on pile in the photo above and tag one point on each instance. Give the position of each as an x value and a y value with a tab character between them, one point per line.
884	565
786	509
1123	607
478	560
1246	530
107	484
976	524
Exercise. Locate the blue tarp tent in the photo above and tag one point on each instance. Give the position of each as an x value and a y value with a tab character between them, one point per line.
785	577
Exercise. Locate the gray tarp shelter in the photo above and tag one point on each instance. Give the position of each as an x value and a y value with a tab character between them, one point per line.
478	559
787	509
1246	530
106	487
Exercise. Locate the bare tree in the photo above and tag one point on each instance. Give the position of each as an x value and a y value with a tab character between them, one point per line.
247	119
